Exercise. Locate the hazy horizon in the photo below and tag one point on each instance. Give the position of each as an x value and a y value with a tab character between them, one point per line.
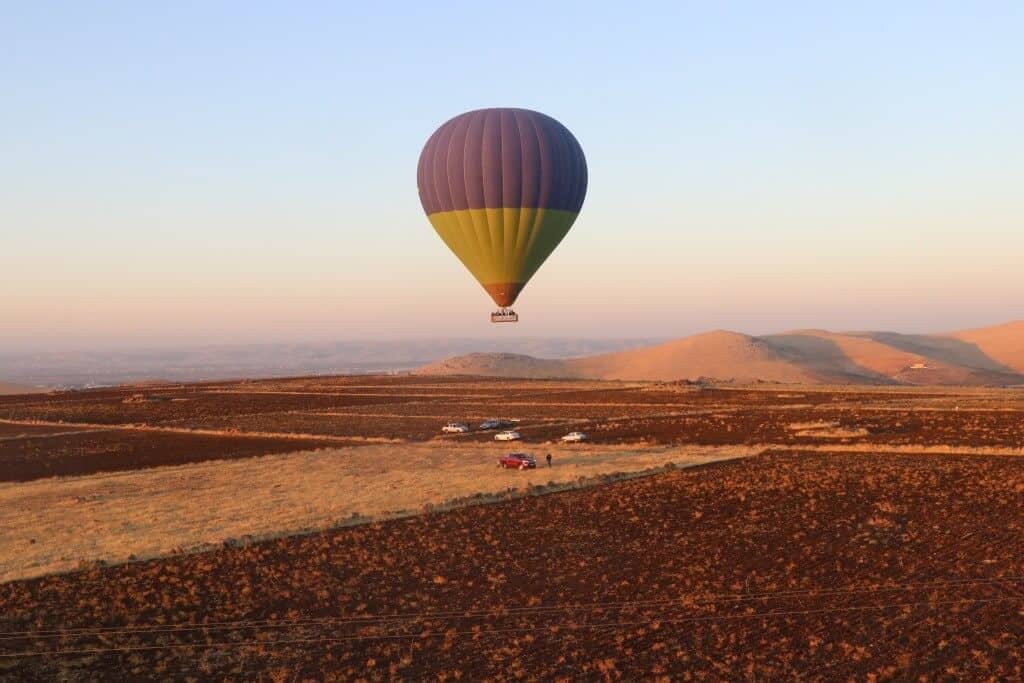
190	175
128	346
223	361
77	368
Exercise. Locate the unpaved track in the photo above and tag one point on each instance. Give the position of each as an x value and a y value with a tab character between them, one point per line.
52	435
898	449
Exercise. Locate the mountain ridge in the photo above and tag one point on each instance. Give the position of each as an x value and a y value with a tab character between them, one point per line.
989	356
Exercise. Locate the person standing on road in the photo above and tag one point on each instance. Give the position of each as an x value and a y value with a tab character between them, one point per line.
549	460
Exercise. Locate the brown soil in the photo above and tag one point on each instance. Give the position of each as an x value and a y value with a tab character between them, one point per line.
178	406
122	450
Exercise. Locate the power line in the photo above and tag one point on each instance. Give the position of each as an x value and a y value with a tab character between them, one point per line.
549	628
499	611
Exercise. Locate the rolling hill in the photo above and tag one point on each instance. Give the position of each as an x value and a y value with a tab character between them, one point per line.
1002	344
987	356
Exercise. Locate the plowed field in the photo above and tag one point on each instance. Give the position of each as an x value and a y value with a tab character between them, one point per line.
868	534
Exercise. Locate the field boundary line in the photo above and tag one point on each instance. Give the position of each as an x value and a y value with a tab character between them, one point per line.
49	435
295	436
895	449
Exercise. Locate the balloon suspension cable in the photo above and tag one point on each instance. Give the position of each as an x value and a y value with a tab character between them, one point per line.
504	315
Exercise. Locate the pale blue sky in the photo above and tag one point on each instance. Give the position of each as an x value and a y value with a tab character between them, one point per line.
207	172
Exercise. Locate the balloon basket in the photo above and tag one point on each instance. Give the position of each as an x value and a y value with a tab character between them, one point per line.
504	316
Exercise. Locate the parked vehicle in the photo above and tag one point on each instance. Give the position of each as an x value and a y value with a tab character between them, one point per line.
455	428
507	435
574	437
519	461
495	424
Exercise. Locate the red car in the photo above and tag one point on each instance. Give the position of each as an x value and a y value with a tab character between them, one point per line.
520	461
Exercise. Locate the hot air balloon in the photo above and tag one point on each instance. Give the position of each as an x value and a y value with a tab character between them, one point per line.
502	187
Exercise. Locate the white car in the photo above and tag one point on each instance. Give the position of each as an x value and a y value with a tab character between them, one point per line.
574	437
455	428
508	435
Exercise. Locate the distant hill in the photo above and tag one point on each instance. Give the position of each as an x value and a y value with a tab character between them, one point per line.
8	389
719	354
1002	344
988	356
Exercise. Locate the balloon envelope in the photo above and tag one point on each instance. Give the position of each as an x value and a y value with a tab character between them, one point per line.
502	187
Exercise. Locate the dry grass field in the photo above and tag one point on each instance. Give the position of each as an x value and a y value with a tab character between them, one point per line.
325	528
54	525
